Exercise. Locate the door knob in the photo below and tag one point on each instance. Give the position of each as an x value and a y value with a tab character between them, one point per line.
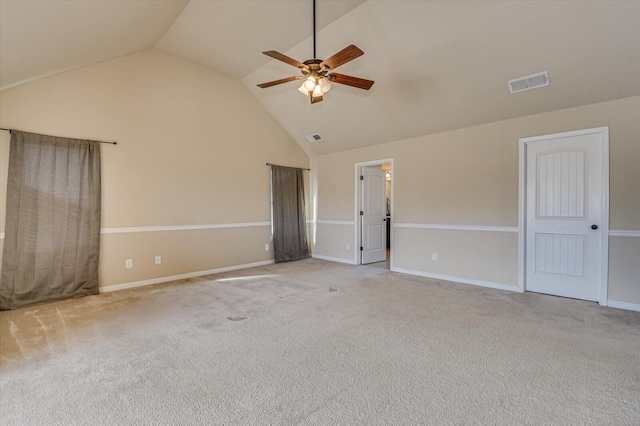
594	226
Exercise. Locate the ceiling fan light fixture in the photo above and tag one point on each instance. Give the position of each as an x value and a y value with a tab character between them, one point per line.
317	91
324	84
303	90
310	83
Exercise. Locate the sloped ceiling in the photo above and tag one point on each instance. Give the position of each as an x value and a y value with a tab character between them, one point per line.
438	65
40	38
230	35
445	65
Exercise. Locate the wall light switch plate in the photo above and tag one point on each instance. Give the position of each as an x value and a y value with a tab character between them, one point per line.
266	247
347	246
158	260
434	256
128	263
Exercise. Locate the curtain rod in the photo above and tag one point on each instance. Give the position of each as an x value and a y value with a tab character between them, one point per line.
88	140
269	164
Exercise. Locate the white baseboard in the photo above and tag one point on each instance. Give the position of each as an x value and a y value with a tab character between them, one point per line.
489	284
182	276
624	305
334	259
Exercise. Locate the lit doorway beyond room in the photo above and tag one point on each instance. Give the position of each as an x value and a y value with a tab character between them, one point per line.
374	206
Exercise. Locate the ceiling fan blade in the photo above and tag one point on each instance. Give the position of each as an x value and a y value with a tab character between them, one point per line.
360	83
284	58
276	82
347	54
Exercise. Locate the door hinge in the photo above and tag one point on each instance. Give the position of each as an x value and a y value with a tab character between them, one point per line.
361	248
361	213
361	177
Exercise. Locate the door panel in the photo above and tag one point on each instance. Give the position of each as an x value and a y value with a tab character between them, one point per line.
561	179
564	200
560	254
374	204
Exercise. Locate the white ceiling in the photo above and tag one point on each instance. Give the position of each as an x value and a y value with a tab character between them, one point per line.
438	65
230	35
445	65
40	38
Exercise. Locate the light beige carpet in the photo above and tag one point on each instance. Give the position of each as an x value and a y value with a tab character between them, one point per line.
384	349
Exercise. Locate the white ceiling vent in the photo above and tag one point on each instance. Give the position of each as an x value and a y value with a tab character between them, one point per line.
314	138
529	82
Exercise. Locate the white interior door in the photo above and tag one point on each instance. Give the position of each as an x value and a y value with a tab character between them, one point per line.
565	213
373	214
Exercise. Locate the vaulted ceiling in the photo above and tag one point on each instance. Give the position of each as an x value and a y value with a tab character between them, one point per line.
438	65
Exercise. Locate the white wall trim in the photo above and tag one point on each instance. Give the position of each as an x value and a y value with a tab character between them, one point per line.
457	227
604	131
182	276
335	222
624	305
480	283
334	259
180	227
522	203
613	233
621	233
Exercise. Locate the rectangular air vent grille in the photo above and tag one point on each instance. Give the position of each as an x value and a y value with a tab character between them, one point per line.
529	82
314	138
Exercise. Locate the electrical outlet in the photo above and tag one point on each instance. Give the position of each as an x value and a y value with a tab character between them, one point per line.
128	263
347	246
434	256
266	247
158	260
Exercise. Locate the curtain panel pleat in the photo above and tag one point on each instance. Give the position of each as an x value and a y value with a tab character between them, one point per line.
52	231
289	219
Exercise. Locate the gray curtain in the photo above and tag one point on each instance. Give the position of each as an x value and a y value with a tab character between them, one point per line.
52	231
289	220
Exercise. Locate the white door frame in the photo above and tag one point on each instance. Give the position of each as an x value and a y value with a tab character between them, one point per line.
522	214
358	195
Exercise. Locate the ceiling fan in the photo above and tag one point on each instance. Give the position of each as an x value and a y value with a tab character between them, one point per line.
317	73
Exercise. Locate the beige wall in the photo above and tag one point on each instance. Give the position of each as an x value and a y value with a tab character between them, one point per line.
192	148
473	255
332	238
470	177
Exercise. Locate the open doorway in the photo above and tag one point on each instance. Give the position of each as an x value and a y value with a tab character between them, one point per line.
374	213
